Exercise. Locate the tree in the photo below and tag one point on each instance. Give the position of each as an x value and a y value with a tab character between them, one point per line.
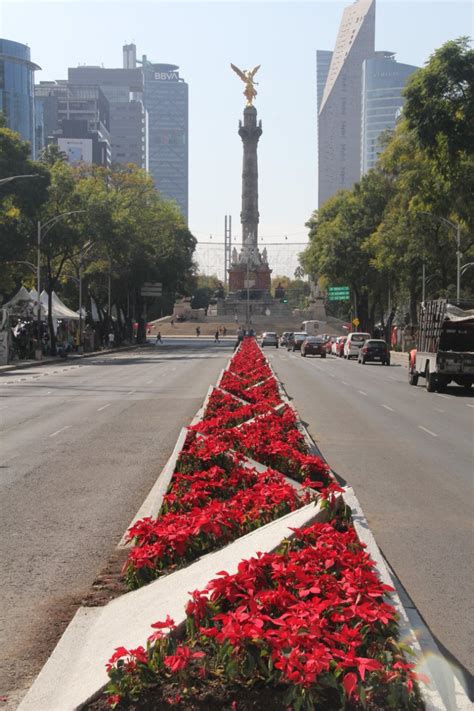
20	201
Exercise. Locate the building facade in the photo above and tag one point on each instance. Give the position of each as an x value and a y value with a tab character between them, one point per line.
123	89
17	95
166	101
76	118
383	81
339	118
323	62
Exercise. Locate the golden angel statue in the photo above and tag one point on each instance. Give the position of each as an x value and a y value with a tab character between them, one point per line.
247	76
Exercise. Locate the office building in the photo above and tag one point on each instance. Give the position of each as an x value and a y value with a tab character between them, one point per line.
383	81
323	62
76	119
123	89
166	101
339	118
17	89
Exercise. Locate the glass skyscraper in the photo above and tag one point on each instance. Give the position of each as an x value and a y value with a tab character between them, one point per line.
17	89
166	100
383	80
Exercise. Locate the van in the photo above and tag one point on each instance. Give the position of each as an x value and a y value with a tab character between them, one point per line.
312	328
354	343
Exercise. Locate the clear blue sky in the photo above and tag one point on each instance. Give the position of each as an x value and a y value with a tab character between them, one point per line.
203	38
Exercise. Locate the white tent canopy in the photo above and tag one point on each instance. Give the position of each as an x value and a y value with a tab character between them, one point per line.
60	310
23	305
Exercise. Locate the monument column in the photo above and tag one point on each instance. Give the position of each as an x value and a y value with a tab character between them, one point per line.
249	216
249	270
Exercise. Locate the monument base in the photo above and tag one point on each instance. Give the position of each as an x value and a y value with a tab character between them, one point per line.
255	278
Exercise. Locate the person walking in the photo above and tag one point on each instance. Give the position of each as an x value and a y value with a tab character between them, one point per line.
158	338
216	336
198	331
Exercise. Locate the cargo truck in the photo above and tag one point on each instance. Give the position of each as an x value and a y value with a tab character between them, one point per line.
445	345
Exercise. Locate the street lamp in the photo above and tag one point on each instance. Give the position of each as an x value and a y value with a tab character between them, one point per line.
457	227
42	231
15	177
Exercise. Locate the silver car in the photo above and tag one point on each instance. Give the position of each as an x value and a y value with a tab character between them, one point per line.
269	338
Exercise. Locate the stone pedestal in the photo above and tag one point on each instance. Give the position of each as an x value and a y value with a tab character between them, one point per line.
258	277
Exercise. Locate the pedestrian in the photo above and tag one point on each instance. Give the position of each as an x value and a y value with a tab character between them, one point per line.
172	322
240	338
158	338
216	336
224	331
198	331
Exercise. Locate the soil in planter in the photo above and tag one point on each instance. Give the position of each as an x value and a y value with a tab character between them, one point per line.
227	696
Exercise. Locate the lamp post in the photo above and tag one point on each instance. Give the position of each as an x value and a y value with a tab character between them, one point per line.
457	227
15	177
42	231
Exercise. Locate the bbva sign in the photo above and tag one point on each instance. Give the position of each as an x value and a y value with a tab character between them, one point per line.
166	76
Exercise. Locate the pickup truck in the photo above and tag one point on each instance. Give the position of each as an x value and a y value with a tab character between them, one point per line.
445	345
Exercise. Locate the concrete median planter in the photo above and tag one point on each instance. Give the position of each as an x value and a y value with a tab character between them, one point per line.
75	673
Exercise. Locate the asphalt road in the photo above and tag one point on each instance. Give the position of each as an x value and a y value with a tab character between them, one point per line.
81	444
408	454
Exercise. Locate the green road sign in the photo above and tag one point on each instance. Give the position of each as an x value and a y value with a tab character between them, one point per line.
338	293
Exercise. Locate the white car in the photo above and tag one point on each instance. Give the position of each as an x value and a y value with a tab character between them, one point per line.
354	343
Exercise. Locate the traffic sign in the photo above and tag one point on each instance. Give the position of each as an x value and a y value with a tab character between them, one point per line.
152	289
355	321
338	293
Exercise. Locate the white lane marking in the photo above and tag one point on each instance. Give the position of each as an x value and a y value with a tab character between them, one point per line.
438	409
331	376
468	404
344	382
49	392
61	430
131	392
392	378
388	408
362	392
433	434
103	407
445	396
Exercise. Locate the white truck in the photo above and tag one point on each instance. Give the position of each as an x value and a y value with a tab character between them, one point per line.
445	345
313	328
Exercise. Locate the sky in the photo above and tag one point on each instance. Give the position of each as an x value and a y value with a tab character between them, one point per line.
203	38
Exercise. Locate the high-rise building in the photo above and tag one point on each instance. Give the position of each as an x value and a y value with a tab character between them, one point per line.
339	118
123	89
17	89
383	81
166	100
75	118
323	62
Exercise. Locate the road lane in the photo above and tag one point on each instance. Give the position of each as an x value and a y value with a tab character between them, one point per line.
72	478
415	488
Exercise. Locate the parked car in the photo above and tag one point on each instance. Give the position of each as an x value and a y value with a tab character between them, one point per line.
313	345
295	340
284	338
374	350
354	343
328	342
340	346
269	338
